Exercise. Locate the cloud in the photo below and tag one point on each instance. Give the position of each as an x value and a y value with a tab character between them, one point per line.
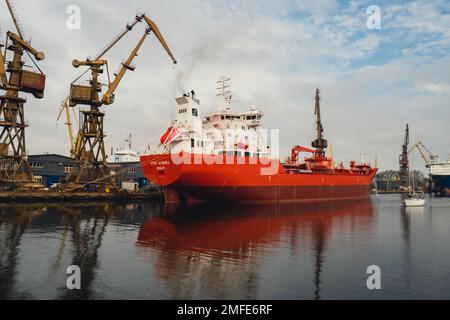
438	87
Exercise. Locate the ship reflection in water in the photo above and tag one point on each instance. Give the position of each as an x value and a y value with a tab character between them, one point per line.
298	251
227	247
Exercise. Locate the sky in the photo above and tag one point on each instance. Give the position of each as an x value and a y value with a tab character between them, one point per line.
372	81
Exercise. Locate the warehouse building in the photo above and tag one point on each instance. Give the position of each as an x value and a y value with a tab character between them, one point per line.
129	172
51	169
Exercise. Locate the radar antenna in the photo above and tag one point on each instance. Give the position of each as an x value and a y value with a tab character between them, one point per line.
223	88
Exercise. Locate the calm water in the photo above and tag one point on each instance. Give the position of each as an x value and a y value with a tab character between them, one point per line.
144	251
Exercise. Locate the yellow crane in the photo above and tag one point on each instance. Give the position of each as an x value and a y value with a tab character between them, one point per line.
14	168
88	149
65	105
17	39
65	109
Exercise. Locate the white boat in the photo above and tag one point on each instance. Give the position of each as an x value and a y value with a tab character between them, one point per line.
414	200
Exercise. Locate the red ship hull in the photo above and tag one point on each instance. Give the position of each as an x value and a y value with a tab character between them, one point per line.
246	181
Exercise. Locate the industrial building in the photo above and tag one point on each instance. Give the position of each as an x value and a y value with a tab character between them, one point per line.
129	172
50	169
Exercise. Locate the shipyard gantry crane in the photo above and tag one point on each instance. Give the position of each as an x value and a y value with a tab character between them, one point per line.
426	155
90	166
14	168
319	143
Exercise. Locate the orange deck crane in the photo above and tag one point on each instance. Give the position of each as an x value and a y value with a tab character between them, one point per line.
295	151
89	155
14	169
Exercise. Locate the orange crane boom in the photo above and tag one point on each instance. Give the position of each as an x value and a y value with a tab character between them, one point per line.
158	35
108	97
296	150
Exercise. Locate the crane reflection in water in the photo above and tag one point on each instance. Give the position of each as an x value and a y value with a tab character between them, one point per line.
140	251
290	251
54	236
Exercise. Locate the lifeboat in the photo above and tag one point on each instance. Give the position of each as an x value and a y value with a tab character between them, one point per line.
169	135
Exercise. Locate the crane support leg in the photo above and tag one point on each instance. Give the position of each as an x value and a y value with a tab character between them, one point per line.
90	156
14	167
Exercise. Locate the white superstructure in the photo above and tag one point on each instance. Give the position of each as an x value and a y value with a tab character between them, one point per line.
223	131
125	154
440	168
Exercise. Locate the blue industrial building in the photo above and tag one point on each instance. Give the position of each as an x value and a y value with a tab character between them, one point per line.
50	169
129	171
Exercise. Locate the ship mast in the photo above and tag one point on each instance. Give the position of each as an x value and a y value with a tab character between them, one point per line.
319	143
224	92
128	141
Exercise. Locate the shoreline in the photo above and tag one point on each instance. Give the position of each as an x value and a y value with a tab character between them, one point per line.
17	196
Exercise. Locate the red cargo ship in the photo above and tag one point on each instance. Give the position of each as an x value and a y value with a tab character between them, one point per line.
222	158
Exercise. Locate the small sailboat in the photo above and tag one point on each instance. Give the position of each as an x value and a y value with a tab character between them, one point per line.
414	199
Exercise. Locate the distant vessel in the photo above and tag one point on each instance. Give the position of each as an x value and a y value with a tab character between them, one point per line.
439	170
126	154
440	176
223	157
